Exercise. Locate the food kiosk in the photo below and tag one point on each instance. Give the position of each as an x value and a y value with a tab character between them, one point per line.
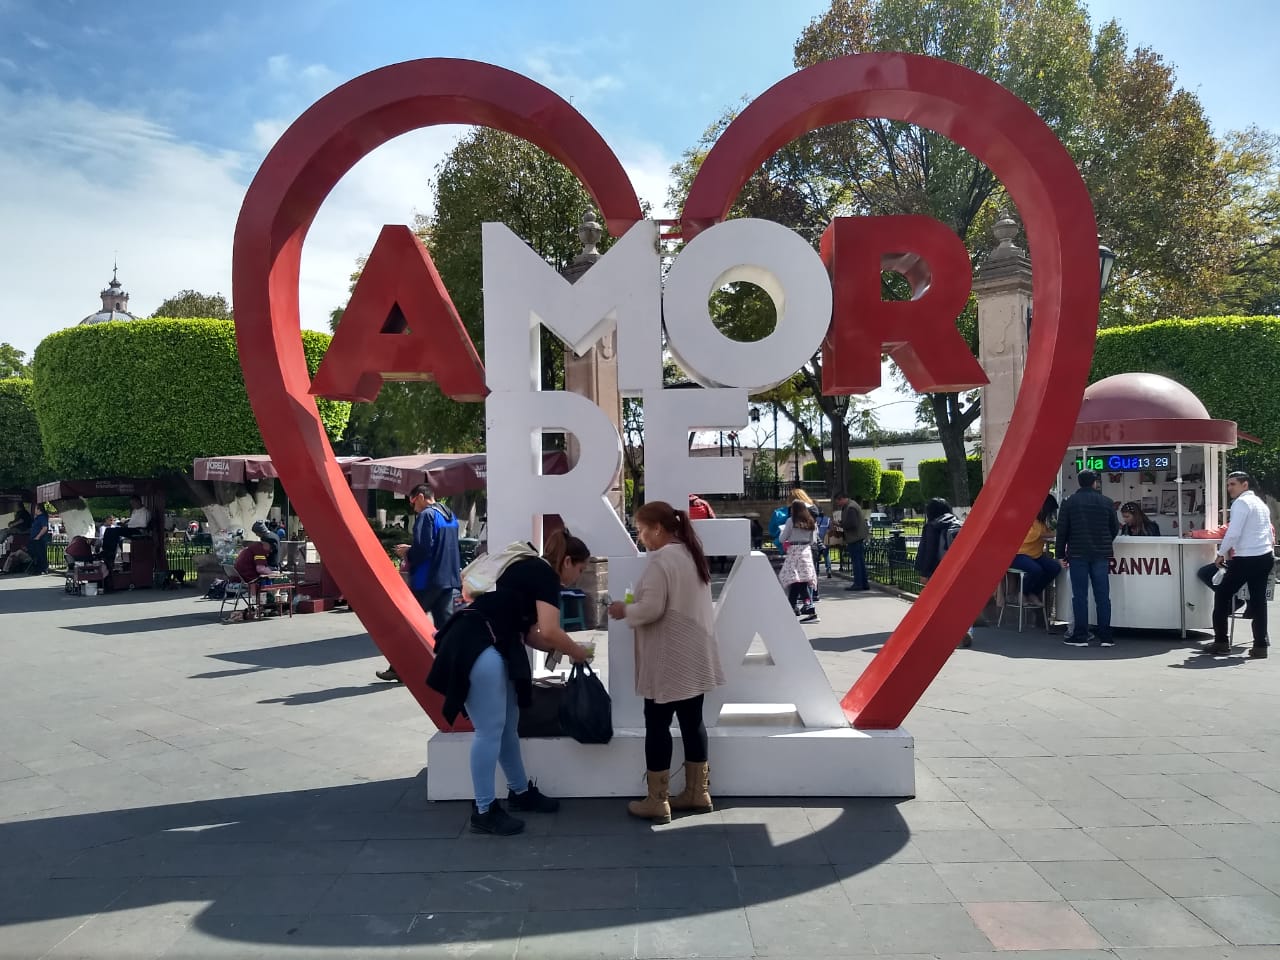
1151	441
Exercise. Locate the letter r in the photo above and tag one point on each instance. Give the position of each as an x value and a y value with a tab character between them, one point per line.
919	334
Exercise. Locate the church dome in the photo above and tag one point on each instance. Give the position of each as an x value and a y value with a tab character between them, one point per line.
115	303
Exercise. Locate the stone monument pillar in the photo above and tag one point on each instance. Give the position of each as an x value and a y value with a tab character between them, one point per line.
1003	292
594	375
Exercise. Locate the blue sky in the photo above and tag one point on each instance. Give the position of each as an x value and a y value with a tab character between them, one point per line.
133	128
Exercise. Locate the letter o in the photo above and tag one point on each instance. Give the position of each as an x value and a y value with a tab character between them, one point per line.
775	259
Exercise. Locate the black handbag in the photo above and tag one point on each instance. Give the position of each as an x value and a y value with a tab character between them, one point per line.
587	712
542	717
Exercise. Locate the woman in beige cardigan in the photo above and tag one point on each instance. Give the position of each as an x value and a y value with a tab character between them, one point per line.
676	657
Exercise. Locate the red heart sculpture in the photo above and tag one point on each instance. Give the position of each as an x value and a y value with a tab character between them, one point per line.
1002	131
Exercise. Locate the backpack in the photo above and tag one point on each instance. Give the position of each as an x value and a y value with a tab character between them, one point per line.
947	538
217	590
481	574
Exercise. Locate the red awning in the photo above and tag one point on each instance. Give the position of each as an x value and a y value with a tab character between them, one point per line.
242	469
249	468
66	489
447	473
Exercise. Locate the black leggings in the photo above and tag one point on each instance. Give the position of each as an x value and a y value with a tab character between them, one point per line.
657	732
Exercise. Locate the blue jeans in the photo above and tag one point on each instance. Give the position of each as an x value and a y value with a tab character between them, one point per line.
491	705
858	561
1038	572
1085	574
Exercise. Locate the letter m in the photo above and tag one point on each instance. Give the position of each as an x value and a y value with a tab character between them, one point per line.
522	292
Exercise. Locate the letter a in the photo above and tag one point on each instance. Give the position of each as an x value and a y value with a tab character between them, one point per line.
399	325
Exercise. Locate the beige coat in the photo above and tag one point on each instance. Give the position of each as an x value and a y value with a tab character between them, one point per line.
676	655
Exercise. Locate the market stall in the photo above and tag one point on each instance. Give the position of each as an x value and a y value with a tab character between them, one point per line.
145	563
1152	442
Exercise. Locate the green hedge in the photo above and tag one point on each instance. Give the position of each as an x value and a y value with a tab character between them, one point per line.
935	480
892	483
1230	363
911	497
146	397
22	461
864	479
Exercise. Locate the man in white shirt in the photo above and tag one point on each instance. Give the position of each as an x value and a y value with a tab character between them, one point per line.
1247	553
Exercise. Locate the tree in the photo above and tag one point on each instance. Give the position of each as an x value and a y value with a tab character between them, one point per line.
489	176
22	460
190	304
13	362
151	417
1119	113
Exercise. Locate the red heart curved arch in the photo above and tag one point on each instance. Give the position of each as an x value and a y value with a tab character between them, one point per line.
327	140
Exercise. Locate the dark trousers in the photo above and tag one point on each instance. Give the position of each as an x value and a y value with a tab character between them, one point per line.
111	541
1252	572
38	550
1206	574
437	601
1038	572
1086	574
657	732
858	562
800	594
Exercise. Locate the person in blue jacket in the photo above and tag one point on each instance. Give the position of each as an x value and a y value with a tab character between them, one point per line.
435	564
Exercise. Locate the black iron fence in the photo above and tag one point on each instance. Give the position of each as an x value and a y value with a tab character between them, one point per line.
180	554
774	490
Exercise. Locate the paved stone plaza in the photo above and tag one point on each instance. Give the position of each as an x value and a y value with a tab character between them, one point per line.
171	787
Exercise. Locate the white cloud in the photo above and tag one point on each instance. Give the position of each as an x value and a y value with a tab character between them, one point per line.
38	42
650	172
83	183
550	68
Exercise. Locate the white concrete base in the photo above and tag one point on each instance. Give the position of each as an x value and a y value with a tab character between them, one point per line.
745	762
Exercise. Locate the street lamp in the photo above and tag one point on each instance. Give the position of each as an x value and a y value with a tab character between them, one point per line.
1106	260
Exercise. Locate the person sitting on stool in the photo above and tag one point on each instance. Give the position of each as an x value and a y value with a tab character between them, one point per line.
271	541
137	524
251	565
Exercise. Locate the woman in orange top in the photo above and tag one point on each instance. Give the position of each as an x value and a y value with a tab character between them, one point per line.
1038	568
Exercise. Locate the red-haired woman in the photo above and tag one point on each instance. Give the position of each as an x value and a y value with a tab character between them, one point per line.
677	662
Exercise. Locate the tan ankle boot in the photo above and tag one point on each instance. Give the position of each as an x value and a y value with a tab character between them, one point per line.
653	807
696	795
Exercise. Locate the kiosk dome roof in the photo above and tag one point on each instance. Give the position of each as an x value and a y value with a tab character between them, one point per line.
1140	396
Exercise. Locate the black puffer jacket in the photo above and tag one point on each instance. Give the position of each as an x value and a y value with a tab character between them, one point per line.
1087	525
932	540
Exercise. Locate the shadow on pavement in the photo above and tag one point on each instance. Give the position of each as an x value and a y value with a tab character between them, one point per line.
21	593
315	868
334	693
307	653
146	624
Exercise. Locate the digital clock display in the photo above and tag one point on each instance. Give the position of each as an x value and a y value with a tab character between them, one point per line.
1124	461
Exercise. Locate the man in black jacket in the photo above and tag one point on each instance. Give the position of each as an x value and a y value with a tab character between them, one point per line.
1087	525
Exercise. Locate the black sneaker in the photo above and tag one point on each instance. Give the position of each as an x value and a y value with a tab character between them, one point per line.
809	615
532	800
1217	649
1108	642
1257	653
389	675
495	820
1073	641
